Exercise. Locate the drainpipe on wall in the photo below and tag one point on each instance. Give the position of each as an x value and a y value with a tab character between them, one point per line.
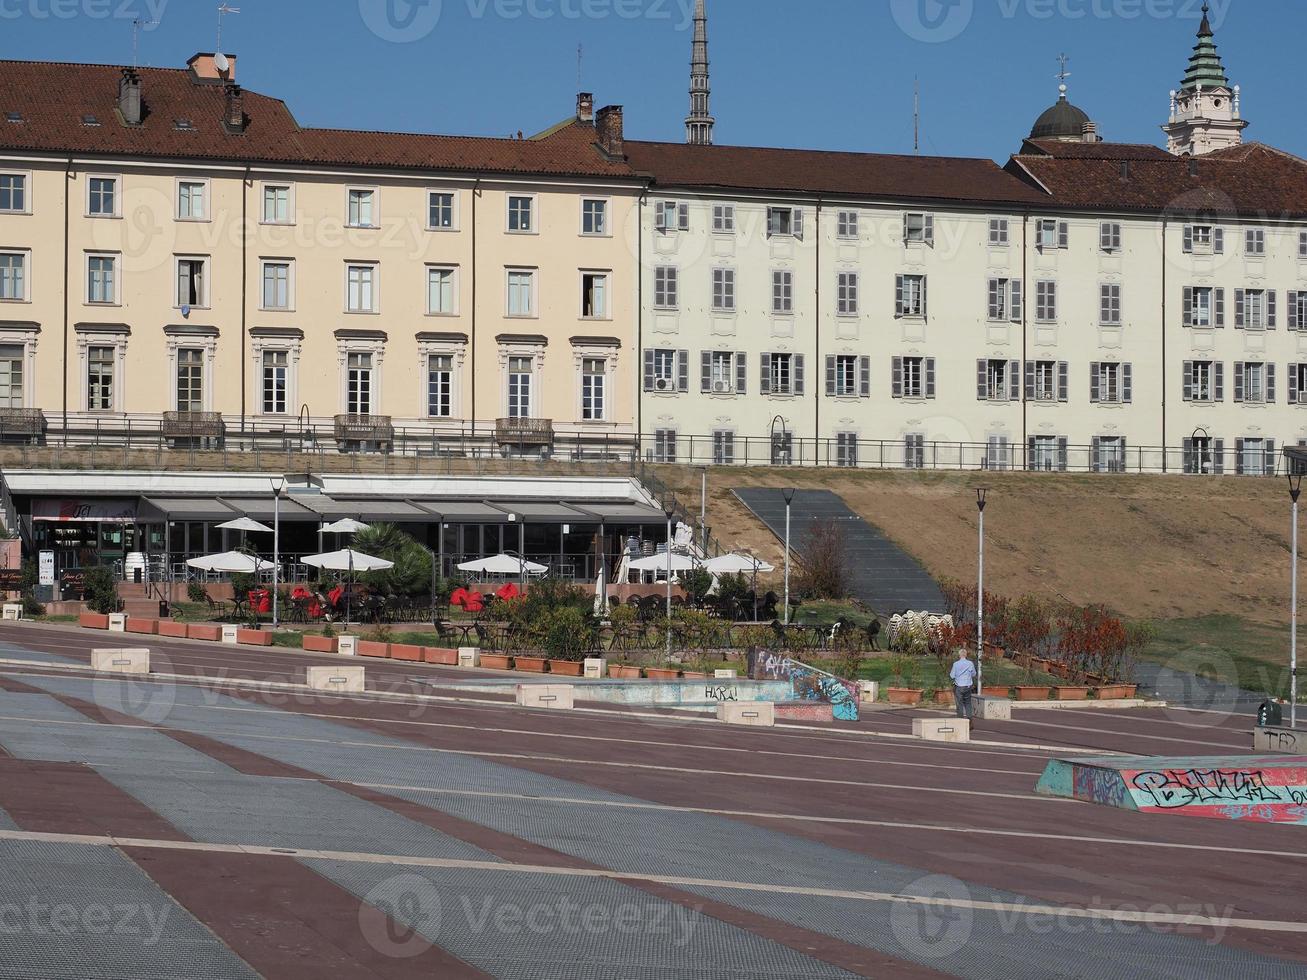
818	367
639	327
245	280
68	177
476	191
1164	456
1026	296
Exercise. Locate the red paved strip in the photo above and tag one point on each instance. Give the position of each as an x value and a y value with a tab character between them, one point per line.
69	798
288	922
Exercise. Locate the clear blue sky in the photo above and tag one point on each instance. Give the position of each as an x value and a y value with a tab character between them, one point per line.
827	74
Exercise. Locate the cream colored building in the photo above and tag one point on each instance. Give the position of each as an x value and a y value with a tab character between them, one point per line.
173	249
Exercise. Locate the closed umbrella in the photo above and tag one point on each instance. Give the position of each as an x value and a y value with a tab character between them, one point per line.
348	560
661	563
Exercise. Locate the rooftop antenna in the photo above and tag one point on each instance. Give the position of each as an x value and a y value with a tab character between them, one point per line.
916	116
220	60
139	25
580	54
1063	60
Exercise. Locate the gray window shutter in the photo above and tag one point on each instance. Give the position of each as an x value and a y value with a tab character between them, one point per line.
1030	453
705	371
1218	306
1188	381
1030	381
1218	456
1014	305
683	216
1292	301
1270	457
1238	457
905	226
764	381
1293	384
1014	381
1188	238
929	222
1095	455
1094	370
896	377
798	223
1188	305
1127	383
982	380
1063	381
864	377
1240	315
1238	381
923	295
660	217
1061	453
930	377
683	370
1218	241
741	372
830	375
798	374
994	299
1270	383
1063	237
648	370
1218	389
1270	309
771	222
899	303
1190	459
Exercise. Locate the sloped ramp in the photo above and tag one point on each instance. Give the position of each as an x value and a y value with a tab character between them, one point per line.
1263	789
883	576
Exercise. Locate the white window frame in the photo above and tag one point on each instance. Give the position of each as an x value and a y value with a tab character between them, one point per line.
375	287
854	387
206	199
605	385
456	349
86	339
670	288
453	209
999	233
433	267
533	295
117	195
26	338
722	382
910	235
354	345
208	347
261	382
536	356
26	255
1041	227
847	289
724	285
1109	298
918	388
116	258
1208	368
607	276
773	227
264	187
607	230
723	219
451	394
293	346
1257	235
1209	294
846	228
916	309
26	176
353	189
775	387
1203	247
1261	320
1109	237
206	284
1000	392
533	213
1111	383
723	447
264	262
1257	370
1046	382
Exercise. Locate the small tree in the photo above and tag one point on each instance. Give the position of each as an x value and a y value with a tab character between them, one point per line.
824	573
567	634
696	584
101	590
411	575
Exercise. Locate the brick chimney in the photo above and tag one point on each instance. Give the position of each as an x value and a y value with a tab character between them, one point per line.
204	68
129	97
609	124
234	116
585	107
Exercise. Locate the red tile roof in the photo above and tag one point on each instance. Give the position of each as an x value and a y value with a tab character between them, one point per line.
1253	180
1095	151
52	99
885	176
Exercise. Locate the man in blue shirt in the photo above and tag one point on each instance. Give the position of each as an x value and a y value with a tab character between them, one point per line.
964	683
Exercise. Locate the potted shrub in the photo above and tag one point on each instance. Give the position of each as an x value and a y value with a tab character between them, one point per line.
944	696
623	672
1031	692
662	673
567	634
900	666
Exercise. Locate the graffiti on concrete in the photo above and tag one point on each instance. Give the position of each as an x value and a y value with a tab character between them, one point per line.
721	693
1103	786
1176	788
1278	740
809	683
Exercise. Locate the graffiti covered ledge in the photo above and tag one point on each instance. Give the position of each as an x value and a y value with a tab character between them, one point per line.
1265	789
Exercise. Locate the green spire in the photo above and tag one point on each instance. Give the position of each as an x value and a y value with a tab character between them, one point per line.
1205	66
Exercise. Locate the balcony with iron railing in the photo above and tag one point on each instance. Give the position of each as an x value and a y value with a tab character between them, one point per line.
378	430
524	432
22	423
193	425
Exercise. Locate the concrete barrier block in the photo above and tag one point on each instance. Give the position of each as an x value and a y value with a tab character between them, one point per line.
117	622
991	708
469	657
121	661
230	633
348	645
870	690
728	674
13	610
1286	741
596	668
560	697
942	729
341	679
761	714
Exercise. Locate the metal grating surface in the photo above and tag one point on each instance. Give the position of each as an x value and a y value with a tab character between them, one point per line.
113	921
474	915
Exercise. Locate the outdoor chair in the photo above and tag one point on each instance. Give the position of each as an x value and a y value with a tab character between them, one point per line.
485	639
216	610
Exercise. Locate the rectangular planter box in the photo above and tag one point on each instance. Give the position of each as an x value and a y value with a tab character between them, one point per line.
529	665
944	697
1112	692
406	652
495	661
661	674
371	648
319	644
439	655
257	638
904	695
567	668
204	631
623	673
169	628
149	627
1070	693
93	621
1031	693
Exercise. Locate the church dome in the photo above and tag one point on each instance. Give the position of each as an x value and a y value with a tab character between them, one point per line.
1061	121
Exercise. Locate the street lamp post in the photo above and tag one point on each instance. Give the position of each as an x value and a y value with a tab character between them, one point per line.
277	484
703	511
1295	490
981	494
789	498
669	513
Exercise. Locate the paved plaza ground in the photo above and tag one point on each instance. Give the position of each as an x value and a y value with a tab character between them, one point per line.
204	827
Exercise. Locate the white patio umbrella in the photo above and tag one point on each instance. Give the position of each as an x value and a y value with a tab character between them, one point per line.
245	524
737	565
502	565
230	561
661	563
348	560
346	526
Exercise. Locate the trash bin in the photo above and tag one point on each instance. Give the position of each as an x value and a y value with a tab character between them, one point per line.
165	612
1270	715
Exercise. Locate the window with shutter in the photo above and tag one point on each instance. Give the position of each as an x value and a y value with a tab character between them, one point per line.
998	232
1046	301
723	219
666	287
847	294
723	447
683	370
723	290
1302	244
847	225
864	377
683	217
1109	306
1255	241
741	372
1109	236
